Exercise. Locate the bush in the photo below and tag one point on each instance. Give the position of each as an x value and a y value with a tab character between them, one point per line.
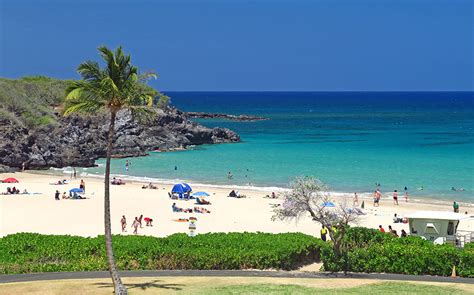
25	252
372	251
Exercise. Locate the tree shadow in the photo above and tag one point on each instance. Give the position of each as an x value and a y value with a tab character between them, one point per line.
145	286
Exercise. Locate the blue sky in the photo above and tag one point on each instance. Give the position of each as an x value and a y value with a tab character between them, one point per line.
296	45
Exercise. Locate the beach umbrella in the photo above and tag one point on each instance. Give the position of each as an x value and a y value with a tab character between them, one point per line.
181	188
76	190
328	204
10	180
187	187
200	194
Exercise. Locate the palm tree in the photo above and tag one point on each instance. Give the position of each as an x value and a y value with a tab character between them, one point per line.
115	87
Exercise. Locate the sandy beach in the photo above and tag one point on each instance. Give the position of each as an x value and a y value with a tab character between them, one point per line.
41	213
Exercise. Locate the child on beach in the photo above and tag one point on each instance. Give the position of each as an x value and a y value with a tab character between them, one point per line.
135	225
123	222
148	221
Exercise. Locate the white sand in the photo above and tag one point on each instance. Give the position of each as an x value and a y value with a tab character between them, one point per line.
43	214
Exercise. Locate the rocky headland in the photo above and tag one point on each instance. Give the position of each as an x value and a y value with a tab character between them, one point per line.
33	131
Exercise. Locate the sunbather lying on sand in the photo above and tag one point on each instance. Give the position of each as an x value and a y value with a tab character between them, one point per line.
201	210
117	181
177	209
60	182
202	202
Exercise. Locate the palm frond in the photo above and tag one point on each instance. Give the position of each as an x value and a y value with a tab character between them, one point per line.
90	70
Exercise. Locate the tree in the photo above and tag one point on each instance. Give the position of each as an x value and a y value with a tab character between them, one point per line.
113	88
308	195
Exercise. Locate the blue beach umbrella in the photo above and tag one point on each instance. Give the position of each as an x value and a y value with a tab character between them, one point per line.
328	204
76	190
181	188
200	194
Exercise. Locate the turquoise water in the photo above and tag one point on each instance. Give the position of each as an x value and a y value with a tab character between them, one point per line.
349	140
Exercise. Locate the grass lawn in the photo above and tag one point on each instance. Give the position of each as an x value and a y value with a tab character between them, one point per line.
234	285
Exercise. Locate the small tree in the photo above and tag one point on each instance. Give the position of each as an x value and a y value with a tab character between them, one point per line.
308	195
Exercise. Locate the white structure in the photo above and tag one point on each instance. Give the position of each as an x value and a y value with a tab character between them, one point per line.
439	227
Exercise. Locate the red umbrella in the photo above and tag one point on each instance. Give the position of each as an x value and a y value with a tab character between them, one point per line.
10	180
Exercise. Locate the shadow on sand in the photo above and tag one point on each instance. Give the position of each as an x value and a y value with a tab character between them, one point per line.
145	286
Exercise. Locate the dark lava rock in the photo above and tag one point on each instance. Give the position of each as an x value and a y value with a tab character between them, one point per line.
79	141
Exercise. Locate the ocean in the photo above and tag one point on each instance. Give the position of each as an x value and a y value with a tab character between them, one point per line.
349	140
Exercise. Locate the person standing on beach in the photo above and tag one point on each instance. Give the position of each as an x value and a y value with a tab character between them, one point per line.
356	200
377	196
395	197
74	172
135	225
140	220
23	165
123	222
456	207
324	232
56	195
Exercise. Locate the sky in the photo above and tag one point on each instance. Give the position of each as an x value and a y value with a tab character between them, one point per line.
361	45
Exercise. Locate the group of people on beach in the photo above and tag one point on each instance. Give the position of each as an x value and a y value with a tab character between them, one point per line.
13	191
137	222
393	232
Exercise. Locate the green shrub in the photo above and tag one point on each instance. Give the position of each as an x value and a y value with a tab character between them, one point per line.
25	252
372	251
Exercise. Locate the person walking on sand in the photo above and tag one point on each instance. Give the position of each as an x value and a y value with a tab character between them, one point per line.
356	200
123	222
395	197
324	232
135	225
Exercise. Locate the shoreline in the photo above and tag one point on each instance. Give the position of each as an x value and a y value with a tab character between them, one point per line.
266	189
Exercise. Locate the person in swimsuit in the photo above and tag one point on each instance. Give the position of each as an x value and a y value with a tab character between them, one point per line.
123	222
395	197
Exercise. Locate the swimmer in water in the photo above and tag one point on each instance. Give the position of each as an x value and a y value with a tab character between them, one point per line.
420	188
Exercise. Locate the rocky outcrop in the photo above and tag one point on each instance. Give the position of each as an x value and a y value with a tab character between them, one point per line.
79	141
203	115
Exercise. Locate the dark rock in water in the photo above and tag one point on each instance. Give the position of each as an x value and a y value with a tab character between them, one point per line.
203	115
79	141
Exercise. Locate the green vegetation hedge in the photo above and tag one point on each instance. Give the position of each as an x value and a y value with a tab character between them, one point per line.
372	251
26	252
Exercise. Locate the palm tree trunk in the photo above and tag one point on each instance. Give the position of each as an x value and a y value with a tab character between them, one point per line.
118	285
